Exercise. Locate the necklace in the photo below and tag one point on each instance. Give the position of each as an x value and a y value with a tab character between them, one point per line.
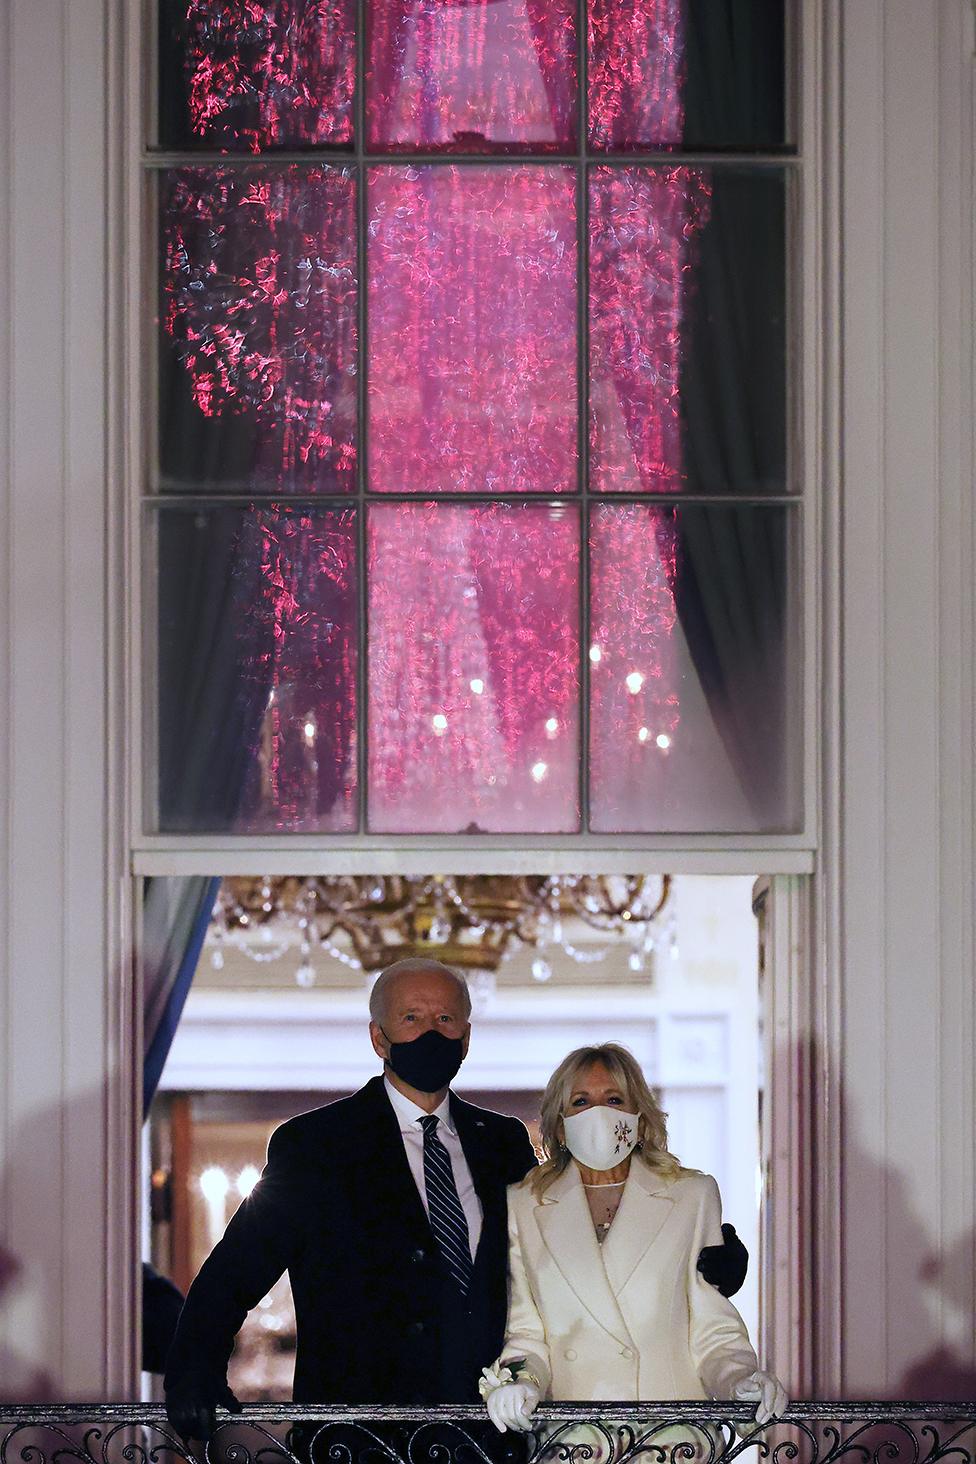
603	1208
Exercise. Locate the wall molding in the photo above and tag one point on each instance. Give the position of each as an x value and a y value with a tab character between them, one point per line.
60	1074
896	949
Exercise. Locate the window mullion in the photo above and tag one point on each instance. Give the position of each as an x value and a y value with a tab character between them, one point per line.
583	400
362	661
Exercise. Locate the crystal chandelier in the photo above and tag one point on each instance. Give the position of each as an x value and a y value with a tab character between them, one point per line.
473	922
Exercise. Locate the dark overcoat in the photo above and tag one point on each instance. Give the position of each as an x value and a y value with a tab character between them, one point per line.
379	1319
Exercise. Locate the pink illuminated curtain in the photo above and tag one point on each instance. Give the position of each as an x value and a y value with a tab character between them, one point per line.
472	329
473	668
257	669
451	75
644	223
643	227
259	327
266	73
472	362
636	72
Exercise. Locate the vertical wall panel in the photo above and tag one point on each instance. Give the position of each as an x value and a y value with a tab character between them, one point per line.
906	707
57	1074
955	1280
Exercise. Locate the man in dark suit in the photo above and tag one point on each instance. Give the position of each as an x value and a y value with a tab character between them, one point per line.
342	1205
388	1210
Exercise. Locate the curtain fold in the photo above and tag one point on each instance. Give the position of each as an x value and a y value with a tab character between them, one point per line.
689	327
215	666
733	83
176	912
386	49
732	564
554	36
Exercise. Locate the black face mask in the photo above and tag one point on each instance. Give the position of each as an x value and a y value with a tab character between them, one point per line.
429	1062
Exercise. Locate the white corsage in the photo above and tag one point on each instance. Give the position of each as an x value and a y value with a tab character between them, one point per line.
512	1370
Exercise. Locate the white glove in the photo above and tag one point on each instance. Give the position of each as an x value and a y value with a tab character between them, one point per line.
512	1406
766	1391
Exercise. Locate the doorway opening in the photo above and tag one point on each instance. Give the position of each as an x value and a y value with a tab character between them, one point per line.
259	1039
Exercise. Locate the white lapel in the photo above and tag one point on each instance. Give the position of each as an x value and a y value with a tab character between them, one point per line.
644	1207
564	1221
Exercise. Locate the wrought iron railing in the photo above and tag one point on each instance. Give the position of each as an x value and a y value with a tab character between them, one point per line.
573	1433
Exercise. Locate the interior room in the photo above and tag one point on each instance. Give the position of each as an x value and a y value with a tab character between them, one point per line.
274	1024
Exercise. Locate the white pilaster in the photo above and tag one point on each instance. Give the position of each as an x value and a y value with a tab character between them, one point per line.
61	872
903	1075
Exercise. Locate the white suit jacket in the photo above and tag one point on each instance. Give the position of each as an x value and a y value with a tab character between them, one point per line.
631	1319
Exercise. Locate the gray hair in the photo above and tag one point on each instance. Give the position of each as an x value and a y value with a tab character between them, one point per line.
381	986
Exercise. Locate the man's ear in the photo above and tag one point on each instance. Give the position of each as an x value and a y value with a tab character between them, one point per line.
380	1045
466	1040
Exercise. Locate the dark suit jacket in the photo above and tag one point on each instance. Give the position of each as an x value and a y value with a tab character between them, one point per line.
379	1320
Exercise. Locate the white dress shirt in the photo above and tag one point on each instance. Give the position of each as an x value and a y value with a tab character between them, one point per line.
408	1117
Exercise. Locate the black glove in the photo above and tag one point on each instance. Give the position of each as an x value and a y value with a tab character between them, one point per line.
191	1404
725	1265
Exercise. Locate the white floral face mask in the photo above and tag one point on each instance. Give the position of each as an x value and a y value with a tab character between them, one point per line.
601	1137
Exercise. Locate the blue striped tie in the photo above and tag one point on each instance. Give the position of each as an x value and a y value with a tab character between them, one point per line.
443	1206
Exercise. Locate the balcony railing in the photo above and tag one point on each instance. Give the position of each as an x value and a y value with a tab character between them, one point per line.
570	1433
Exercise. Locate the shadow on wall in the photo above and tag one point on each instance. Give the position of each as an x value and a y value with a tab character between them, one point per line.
927	1287
929	1296
34	1337
20	1381
942	1373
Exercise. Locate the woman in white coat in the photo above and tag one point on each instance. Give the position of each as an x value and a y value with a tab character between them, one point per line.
606	1301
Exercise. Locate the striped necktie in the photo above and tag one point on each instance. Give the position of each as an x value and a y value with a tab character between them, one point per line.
447	1219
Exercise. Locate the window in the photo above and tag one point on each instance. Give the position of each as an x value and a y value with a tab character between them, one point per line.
473	501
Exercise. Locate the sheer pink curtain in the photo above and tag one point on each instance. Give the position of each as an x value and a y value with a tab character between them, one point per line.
473	667
460	74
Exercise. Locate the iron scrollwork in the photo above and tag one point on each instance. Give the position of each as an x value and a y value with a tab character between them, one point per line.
652	1433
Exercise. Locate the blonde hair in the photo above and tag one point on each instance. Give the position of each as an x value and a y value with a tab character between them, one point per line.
624	1068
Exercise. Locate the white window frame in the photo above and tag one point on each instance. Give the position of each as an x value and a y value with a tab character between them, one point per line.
793	853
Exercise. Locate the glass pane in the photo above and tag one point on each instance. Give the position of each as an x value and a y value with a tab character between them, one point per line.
472	330
257	669
694	669
687	314
257	319
485	75
687	74
251	77
473	668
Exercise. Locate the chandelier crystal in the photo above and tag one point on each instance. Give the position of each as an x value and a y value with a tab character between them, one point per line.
471	922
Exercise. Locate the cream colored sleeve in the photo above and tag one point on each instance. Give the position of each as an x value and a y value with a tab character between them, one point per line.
720	1346
525	1333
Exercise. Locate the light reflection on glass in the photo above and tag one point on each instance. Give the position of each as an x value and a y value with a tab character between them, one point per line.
455	589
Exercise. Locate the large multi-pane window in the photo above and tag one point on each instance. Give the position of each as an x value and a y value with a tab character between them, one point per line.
473	490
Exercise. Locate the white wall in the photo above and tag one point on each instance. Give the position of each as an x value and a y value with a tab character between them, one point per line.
898	954
58	1073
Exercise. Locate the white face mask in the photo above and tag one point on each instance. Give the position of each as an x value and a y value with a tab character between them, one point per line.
600	1137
